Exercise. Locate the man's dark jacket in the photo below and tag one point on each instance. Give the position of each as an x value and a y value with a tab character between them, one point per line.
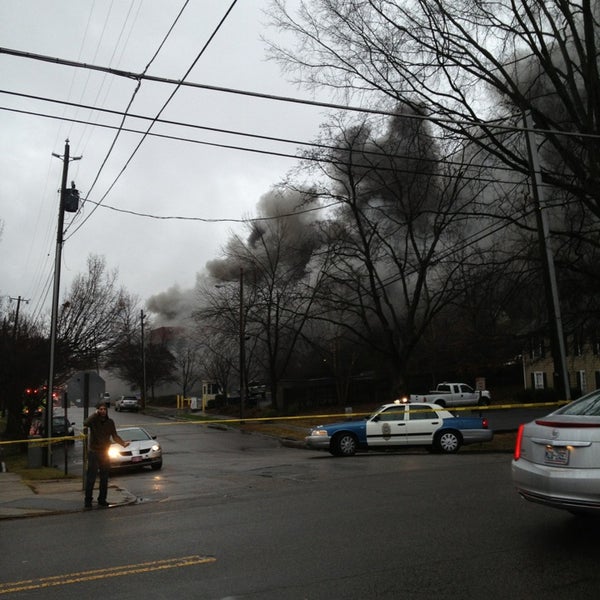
102	429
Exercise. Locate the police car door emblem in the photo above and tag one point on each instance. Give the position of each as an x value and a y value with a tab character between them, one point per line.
386	431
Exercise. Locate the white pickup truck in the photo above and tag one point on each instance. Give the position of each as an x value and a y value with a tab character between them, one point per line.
454	394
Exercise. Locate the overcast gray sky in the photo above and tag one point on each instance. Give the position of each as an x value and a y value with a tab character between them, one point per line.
165	178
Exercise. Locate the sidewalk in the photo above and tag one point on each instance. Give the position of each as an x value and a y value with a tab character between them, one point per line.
18	499
46	497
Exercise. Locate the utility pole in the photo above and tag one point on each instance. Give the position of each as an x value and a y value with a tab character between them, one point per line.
65	196
144	386
242	347
552	300
15	356
16	324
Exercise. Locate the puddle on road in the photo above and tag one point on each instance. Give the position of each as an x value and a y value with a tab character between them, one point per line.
291	472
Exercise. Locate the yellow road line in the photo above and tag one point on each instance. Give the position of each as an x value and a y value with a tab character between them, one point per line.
82	576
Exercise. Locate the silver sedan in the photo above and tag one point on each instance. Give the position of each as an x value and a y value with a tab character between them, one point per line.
557	457
143	449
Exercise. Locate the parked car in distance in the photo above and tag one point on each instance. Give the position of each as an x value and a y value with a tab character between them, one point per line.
61	427
105	398
454	394
399	425
142	451
557	457
127	403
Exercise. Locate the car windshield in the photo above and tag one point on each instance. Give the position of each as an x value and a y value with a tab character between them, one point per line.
376	412
387	412
586	405
133	435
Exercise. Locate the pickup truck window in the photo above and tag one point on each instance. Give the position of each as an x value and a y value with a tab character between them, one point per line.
465	389
442	387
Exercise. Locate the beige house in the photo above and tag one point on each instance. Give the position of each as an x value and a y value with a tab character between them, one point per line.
582	360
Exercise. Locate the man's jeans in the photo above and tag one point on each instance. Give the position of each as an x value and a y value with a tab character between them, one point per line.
97	464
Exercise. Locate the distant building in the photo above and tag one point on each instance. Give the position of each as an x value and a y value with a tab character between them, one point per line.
582	362
165	335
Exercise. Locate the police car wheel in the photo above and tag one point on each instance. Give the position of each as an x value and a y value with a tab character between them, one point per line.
448	442
343	445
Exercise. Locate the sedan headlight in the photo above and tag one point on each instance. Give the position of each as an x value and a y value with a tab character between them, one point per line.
113	453
316	432
156	448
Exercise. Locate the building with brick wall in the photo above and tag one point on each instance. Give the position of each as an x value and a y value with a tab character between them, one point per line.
582	361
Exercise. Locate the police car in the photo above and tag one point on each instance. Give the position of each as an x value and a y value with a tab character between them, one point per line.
401	424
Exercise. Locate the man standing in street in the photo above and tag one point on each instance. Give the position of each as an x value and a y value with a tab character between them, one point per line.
102	433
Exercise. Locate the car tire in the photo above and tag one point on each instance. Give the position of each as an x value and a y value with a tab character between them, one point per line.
344	444
440	402
156	466
448	442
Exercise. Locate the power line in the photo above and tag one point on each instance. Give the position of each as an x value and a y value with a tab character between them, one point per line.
379	168
494	124
218	220
304	157
116	137
44	294
220	130
166	103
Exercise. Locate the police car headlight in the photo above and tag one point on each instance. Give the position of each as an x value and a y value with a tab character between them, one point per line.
318	432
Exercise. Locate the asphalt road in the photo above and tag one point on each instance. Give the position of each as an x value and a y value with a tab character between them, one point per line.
233	515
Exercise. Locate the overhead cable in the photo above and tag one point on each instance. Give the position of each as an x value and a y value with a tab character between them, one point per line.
166	103
497	124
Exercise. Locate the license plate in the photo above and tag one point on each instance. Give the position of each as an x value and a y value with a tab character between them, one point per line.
556	456
136	459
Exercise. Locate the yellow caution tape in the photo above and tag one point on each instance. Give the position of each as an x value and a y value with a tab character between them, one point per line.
200	421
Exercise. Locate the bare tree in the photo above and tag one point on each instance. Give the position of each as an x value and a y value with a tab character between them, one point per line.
126	359
277	300
219	357
187	354
459	58
479	66
397	239
93	316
